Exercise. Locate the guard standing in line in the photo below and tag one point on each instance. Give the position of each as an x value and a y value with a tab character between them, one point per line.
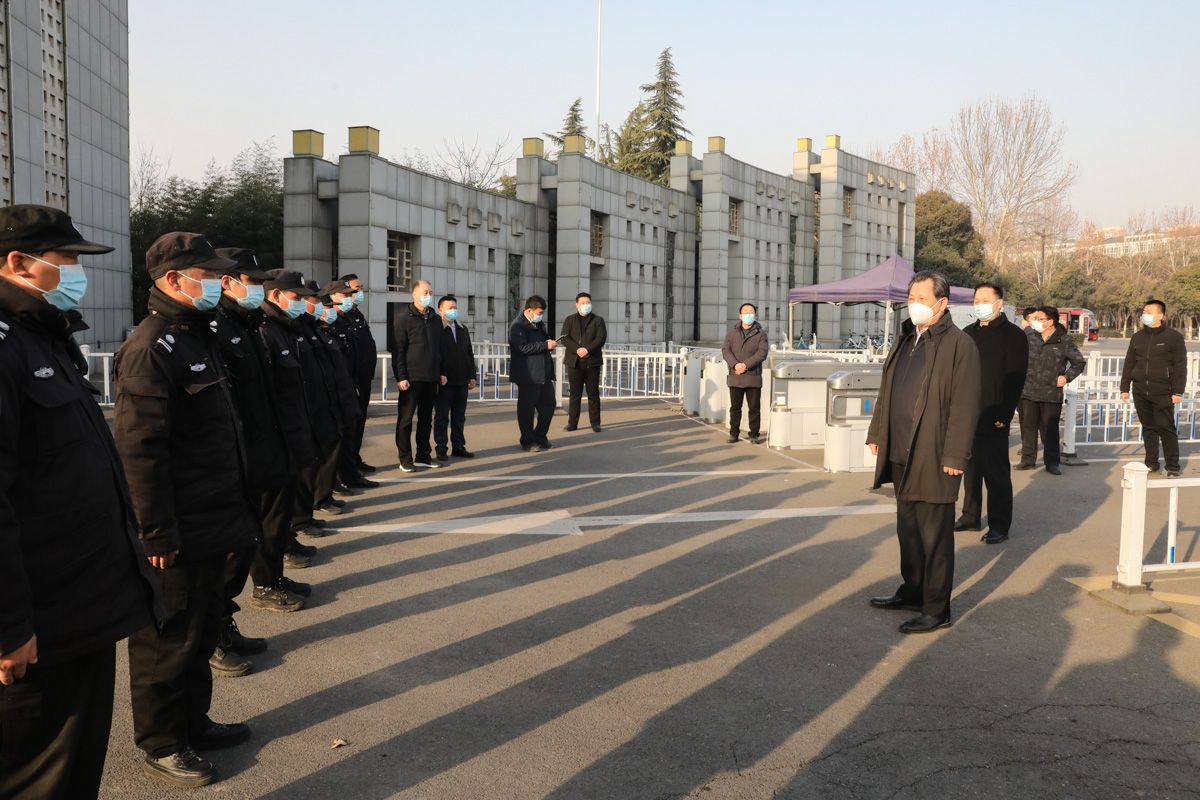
1156	369
179	437
281	332
531	368
73	580
364	355
583	338
337	345
268	472
450	410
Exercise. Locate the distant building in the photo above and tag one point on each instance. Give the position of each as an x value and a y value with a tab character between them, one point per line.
64	135
662	263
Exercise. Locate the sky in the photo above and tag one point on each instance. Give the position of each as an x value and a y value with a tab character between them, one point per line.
207	79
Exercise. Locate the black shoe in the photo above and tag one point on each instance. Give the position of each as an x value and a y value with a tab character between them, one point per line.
462	453
1053	469
732	439
533	448
924	624
430	464
333	501
327	511
407	466
441	456
755	439
218	735
313	531
596	428
227	664
362	483
964	524
246	645
366	468
894	603
342	490
1174	473
295	587
994	537
545	443
1024	465
296	560
275	598
184	769
571	427
297	549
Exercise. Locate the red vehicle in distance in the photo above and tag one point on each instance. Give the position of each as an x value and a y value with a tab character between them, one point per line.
1080	320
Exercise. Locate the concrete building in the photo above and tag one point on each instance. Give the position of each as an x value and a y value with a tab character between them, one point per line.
64	134
663	263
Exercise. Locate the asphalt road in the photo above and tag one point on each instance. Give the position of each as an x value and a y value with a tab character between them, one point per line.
651	613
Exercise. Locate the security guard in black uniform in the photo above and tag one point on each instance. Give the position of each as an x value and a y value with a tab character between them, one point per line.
337	296
285	293
325	405
180	439
73	580
364	358
239	323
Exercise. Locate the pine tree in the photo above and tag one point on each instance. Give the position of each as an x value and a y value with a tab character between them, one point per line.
573	125
663	111
630	153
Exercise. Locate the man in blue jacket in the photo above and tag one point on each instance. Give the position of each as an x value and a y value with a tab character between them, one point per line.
531	368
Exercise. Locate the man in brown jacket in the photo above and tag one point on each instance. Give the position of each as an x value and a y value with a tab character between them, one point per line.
922	431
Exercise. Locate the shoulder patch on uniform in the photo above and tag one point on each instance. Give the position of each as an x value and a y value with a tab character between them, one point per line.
198	367
44	372
162	343
170	339
3	325
284	352
235	340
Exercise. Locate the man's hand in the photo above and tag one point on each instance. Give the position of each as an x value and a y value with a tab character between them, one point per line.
471	384
739	368
442	380
874	449
551	344
1000	424
1176	399
581	352
1124	397
952	471
162	562
1062	381
403	385
12	665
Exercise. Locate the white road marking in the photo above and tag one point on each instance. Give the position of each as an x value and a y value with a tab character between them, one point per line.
584	476
561	523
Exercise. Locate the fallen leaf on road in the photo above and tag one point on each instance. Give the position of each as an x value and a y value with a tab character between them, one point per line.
339	743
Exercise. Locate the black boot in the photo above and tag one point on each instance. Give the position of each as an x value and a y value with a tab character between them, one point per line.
232	639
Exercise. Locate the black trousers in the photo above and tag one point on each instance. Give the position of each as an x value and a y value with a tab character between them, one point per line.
926	534
275	510
579	377
327	470
170	682
989	465
237	570
54	726
535	399
753	397
417	401
1040	418
363	387
450	412
1157	415
347	460
303	494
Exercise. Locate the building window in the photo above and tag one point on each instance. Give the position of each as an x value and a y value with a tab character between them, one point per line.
641	310
766	313
654	311
597	244
470	252
641	270
450	251
643	230
491	306
492	256
628	269
627	314
847	202
654	272
655	236
758	211
735	216
400	249
629	226
470	305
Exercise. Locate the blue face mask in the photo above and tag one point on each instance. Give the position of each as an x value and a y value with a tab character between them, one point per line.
537	318
585	309
295	308
210	292
330	315
72	285
452	315
426	300
254	296
747	319
346	304
359	296
1147	320
318	310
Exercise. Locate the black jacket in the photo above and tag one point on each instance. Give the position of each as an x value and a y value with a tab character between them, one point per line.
459	357
1049	358
1003	362
946	410
363	354
179	436
239	335
417	353
529	359
324	405
281	336
583	331
1156	363
71	568
749	347
336	348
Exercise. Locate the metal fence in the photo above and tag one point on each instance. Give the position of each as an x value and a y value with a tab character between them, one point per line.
1135	484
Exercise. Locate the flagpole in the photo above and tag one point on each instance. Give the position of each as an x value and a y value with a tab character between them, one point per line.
599	43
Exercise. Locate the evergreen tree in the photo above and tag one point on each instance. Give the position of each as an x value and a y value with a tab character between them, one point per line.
631	151
946	241
573	125
663	110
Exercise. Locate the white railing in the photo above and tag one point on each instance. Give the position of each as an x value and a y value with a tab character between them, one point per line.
633	375
1106	419
1131	566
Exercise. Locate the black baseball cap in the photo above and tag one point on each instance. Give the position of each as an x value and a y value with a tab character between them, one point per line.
339	286
287	280
180	250
246	263
40	229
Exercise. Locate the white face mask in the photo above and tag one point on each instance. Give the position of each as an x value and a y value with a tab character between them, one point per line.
984	310
1038	325
919	313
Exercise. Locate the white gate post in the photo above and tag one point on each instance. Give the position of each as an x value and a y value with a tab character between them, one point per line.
1133	525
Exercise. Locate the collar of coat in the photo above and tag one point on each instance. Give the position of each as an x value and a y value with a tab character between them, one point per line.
176	312
35	313
524	320
424	313
249	318
276	313
747	332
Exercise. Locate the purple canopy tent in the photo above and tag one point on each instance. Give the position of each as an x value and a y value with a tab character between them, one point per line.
886	284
